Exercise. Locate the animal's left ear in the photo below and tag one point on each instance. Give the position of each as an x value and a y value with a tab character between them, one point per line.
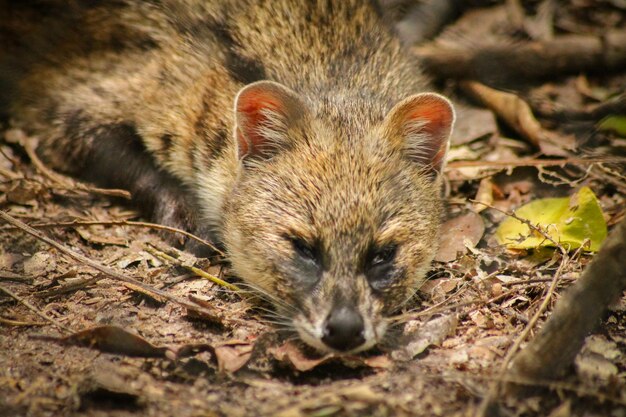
265	111
421	124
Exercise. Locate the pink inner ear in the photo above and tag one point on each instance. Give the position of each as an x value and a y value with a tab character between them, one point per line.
250	108
438	116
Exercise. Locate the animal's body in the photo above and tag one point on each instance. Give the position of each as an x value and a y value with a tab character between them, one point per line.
296	133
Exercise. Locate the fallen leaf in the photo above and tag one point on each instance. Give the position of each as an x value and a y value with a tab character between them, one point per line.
591	365
231	356
111	339
100	239
458	232
602	346
24	191
615	124
472	123
484	195
434	332
439	286
517	114
569	221
563	410
480	319
39	263
292	355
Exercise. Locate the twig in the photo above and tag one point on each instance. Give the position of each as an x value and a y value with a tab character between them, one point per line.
10	322
9	174
577	313
33	308
12	276
532	281
563	54
64	182
74	286
437	310
494	389
75	223
197	271
534	162
105	270
542	308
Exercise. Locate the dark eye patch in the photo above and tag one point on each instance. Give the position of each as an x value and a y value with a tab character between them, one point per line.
303	248
307	260
379	265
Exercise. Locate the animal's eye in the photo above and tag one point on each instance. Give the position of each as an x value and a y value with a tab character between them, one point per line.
383	256
303	248
379	268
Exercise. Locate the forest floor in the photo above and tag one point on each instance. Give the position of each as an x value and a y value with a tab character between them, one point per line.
156	339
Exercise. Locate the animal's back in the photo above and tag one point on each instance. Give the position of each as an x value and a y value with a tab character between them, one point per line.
172	68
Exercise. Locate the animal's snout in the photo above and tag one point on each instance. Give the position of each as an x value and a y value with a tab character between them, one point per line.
344	329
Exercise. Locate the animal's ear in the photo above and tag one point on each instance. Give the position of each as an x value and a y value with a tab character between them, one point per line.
264	113
421	124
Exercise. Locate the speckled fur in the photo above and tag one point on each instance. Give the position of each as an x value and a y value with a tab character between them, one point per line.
344	181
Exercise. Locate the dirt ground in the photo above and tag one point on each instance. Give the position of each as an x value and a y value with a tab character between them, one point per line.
158	339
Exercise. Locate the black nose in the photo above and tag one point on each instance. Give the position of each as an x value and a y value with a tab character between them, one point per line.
343	329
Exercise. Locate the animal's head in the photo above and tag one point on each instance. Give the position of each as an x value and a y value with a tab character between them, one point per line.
338	230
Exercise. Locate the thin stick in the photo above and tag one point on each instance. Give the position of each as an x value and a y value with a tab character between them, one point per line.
495	388
66	183
531	323
432	310
534	162
527	223
33	308
75	223
105	270
193	269
10	322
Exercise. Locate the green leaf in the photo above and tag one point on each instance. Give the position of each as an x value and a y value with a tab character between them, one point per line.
616	124
571	222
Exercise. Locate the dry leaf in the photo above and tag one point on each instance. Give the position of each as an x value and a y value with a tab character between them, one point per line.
456	233
431	333
23	191
571	222
472	123
484	195
111	339
517	114
233	355
291	354
100	239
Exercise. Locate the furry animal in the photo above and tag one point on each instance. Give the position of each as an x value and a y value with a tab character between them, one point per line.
298	134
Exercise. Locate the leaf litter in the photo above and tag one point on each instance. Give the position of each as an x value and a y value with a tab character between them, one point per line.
124	345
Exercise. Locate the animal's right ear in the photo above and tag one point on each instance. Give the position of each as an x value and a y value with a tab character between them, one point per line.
265	112
421	125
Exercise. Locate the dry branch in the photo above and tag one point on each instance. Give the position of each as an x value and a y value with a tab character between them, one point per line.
532	162
564	54
32	307
86	223
577	313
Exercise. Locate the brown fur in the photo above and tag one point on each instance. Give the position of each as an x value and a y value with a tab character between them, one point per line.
331	156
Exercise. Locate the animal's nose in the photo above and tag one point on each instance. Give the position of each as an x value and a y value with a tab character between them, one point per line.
343	329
